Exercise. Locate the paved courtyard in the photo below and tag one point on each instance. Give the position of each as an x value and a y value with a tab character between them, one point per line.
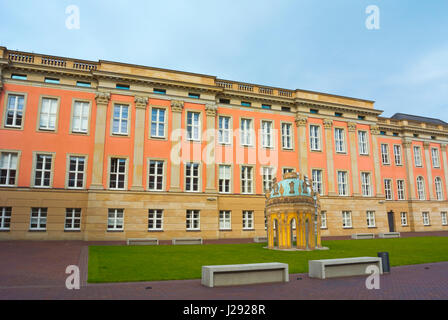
36	270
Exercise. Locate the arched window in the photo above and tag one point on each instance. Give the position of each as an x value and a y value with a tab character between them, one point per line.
439	188
421	188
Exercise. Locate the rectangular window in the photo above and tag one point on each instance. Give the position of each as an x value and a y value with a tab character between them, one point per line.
8	168
51	80
42	173
155	175
246	179
287	109
317	181
366	184
83	84
339	139
400	190
193	220
5	218
338	114
192	177
287	170
14	111
120	119
404	219
362	143
193	126
426	220
158	123
346	219
246	132
115	220
224	101
76	172
48	114
287	136
18	76
122	86
266	106
38	220
444	218
397	155
224	131
371	219
248	220
159	91
267	173
385	154
72	219
417	156
194	95
224	178
421	188
80	119
435	158
224	220
267	140
388	189
246	103
117	173
342	183
155	220
323	219
439	188
315	138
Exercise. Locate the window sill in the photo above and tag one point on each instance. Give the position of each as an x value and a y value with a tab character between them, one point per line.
5	230
155	231
115	230
249	229
224	230
347	227
193	230
33	230
68	230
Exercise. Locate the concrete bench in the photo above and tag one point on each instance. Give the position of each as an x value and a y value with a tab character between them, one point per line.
261	239
387	235
334	268
142	241
187	241
243	274
360	236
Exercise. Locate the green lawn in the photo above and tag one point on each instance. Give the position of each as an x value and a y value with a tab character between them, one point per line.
150	263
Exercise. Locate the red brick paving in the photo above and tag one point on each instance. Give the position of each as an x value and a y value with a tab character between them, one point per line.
36	270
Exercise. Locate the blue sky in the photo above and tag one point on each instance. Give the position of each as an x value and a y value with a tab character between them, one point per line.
320	45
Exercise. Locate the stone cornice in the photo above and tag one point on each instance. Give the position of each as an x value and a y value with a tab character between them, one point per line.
177	106
339	107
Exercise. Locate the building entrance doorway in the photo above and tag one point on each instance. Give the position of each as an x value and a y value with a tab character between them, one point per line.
390	218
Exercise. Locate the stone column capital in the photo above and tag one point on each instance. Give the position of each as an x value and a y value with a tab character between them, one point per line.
426	145
211	110
301	121
177	106
141	102
375	130
407	143
102	97
352	126
443	147
328	124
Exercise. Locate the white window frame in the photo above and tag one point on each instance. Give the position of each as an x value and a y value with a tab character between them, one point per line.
435	155
118	173
225	220
267	134
158	178
421	192
347	220
5	218
192	217
443	216
120	119
317	181
385	159
155	216
339	140
404	219
40	219
10	166
323	219
246	132
190	179
438	184
225	178
287	135
397	155
15	110
82	117
267	174
72	218
247	179
401	190
76	172
43	170
115	219
371	223
51	114
224	130
363	143
366	184
426	218
418	156
343	188
193	127
158	124
315	144
248	220
388	189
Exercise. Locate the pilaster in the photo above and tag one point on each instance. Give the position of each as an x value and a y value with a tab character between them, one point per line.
429	171
176	139
302	143
139	134
445	168
354	158
102	101
407	144
210	111
375	131
328	125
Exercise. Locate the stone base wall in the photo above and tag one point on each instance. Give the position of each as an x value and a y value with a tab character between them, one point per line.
95	205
